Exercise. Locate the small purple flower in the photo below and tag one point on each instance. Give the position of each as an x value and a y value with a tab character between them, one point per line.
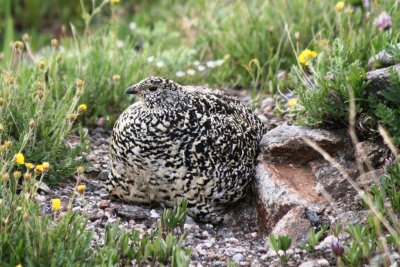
383	21
337	248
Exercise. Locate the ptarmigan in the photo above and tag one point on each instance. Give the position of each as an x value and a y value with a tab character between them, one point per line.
180	142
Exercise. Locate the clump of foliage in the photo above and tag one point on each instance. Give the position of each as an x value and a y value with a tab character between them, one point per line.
323	88
280	245
313	239
161	246
387	107
34	238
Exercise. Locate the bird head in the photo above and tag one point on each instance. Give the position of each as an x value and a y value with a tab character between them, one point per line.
155	91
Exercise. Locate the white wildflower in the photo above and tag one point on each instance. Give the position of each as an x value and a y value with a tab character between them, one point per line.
201	68
210	64
150	59
160	64
180	74
120	43
196	63
132	26
219	62
191	72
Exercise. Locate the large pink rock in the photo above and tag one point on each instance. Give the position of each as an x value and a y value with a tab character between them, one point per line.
282	187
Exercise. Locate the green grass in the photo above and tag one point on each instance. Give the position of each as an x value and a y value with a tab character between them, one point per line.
240	44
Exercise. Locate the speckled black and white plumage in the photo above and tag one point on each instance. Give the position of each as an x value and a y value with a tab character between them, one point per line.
184	142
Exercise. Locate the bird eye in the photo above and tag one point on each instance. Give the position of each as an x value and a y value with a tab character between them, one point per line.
152	88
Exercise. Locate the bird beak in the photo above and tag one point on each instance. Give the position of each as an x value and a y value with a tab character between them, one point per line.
131	90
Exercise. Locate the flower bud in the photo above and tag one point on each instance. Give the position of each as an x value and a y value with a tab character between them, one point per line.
54	42
19	45
72	117
80	83
32	124
5	177
25	217
17	175
42	64
337	248
26	38
80	170
27	176
8	144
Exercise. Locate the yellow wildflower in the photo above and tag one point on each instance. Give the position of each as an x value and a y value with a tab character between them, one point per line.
306	55
227	57
42	64
292	102
29	165
39	168
82	108
19	158
19	265
56	204
115	1
81	188
339	6
46	166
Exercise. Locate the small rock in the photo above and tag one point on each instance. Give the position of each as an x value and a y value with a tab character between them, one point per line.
371	152
315	263
76	209
238	257
293	224
40	198
101	122
102	204
154	214
368	179
43	187
95	215
132	212
103	175
326	243
382	59
379	79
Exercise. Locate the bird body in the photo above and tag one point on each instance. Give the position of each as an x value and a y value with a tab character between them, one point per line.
184	143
